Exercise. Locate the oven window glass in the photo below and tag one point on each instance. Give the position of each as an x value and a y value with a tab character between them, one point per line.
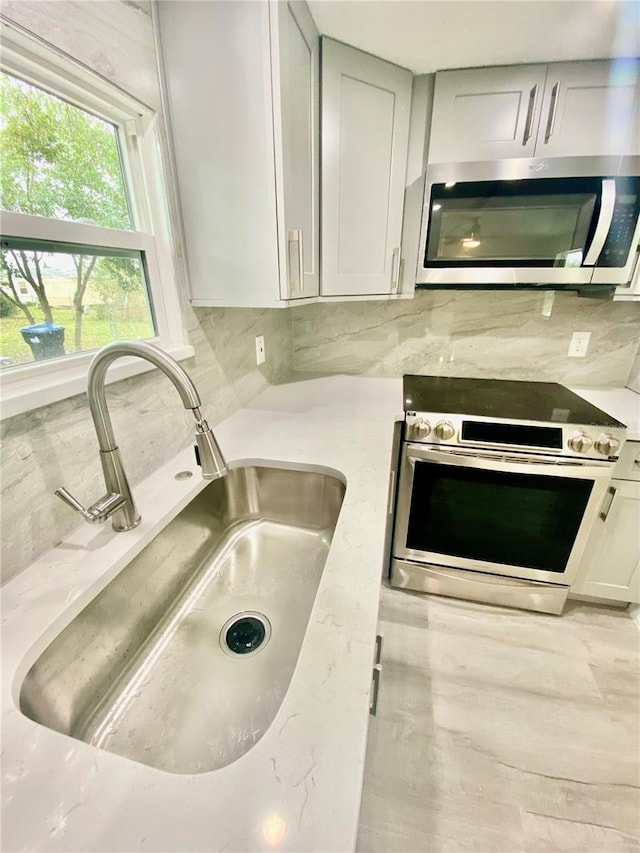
537	222
525	520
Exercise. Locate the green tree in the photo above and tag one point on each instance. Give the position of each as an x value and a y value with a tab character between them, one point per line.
9	271
115	279
61	162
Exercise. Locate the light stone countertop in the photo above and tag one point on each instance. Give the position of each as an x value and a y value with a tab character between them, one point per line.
622	403
299	787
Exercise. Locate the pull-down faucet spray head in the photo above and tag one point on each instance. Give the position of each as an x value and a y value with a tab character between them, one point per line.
208	455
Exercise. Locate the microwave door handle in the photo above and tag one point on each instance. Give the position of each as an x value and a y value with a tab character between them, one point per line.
607	203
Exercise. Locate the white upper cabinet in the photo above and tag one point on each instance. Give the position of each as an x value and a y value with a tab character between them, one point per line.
486	113
365	129
296	72
242	84
587	109
564	109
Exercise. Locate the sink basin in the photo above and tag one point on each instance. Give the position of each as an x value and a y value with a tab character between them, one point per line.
183	660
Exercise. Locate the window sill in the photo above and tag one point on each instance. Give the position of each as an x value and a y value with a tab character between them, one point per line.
46	382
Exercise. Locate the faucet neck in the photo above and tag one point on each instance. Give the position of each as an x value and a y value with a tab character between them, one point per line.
97	380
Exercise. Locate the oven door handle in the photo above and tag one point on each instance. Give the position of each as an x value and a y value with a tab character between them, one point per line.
516	465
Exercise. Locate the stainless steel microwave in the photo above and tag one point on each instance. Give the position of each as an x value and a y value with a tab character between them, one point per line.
530	222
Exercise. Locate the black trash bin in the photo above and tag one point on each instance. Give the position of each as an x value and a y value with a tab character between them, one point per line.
45	339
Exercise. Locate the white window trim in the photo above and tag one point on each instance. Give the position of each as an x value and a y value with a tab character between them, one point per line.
41	383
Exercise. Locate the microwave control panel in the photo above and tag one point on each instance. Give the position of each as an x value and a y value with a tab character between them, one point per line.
618	245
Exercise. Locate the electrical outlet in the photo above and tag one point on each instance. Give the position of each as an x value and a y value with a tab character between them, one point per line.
579	344
260	350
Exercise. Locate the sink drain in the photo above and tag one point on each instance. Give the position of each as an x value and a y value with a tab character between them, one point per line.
245	634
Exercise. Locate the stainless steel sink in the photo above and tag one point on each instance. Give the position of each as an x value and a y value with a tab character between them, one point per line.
146	669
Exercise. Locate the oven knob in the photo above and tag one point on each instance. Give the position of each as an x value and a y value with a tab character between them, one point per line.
445	430
421	428
580	442
607	445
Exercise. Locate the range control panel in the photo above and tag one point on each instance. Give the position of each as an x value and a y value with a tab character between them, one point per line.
558	439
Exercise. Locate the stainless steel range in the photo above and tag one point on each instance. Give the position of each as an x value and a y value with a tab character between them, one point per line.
499	485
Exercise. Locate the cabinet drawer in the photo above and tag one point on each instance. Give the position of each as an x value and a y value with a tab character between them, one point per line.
628	465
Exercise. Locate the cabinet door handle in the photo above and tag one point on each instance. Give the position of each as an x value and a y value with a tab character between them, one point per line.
373	706
395	270
379	641
296	283
608	502
529	122
553	108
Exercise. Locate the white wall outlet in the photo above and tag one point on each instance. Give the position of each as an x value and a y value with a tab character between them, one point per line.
260	350
579	344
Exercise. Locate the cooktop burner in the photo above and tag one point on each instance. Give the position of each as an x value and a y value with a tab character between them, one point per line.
501	398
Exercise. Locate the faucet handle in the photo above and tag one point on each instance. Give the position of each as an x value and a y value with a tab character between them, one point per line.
97	512
69	499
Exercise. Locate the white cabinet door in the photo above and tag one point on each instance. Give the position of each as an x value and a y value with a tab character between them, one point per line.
216	60
564	109
242	92
365	129
587	109
612	555
486	113
296	75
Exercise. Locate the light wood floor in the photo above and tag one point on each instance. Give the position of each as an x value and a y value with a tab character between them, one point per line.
503	731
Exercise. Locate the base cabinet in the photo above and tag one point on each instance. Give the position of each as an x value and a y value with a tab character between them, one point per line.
611	567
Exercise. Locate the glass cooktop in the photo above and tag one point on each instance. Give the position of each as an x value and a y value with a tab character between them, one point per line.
501	398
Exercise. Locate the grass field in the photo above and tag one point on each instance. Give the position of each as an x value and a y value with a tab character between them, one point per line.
95	332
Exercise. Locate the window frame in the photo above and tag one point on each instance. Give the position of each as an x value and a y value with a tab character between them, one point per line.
37	384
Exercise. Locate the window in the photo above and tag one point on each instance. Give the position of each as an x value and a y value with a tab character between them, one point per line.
85	248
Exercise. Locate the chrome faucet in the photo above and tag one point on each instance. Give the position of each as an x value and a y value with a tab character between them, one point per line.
118	502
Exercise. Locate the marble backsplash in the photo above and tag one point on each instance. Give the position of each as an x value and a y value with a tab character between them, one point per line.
466	333
56	445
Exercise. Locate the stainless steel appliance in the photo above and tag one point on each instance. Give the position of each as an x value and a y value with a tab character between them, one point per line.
531	222
499	483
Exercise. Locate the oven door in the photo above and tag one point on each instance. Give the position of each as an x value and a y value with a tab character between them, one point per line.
518	515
